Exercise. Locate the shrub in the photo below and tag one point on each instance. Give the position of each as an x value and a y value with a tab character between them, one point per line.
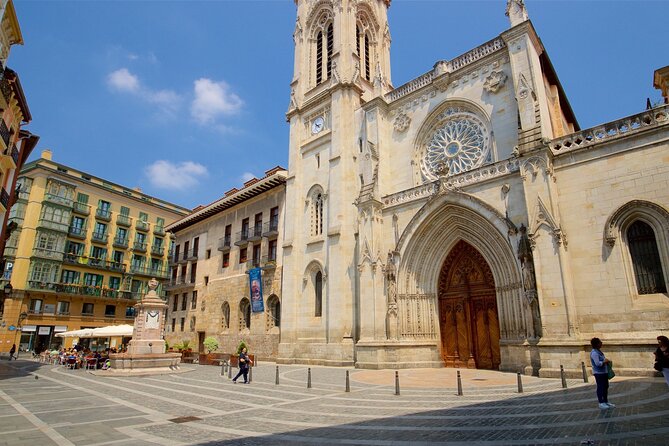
178	346
185	344
167	346
211	344
241	346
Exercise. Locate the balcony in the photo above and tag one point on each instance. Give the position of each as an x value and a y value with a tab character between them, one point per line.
24	195
159	231
48	254
224	243
4	198
142	226
109	265
178	282
253	263
42	286
139	247
90	290
157	250
255	233
10	157
148	271
98	237
6	90
123	220
271	228
268	262
242	237
81	208
55	225
77	232
57	199
103	214
121	242
4	132
15	154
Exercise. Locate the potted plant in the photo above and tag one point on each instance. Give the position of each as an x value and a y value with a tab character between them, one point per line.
210	345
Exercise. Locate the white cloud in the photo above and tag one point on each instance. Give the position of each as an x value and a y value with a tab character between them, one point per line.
213	99
247	176
123	80
165	174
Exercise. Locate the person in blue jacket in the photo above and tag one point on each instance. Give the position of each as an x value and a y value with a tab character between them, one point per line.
601	373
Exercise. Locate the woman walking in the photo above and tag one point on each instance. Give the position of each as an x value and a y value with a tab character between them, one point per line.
600	370
244	363
662	357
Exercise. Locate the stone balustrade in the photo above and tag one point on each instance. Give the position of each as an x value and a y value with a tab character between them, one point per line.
610	131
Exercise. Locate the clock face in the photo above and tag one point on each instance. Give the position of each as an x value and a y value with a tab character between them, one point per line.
317	125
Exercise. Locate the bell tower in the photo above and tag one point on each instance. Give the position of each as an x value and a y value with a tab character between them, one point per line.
342	60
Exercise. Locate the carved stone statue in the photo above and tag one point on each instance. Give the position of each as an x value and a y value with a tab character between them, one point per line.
529	284
516	12
391	294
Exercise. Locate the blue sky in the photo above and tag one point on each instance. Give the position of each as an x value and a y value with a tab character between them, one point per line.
187	99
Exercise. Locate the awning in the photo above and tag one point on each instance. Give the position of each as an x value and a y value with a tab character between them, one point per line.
113	330
83	333
29	328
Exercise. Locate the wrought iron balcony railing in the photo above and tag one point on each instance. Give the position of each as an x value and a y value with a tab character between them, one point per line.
99	237
120	242
123	220
271	228
224	243
142	226
139	246
242	237
103	214
76	231
81	208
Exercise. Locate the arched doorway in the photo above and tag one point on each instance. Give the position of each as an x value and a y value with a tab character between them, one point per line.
468	317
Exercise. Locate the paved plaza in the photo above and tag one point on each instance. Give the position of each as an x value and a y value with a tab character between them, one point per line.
45	405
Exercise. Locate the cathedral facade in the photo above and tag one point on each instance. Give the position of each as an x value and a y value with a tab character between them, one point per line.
464	219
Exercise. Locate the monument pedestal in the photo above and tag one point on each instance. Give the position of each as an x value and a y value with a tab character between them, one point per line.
146	352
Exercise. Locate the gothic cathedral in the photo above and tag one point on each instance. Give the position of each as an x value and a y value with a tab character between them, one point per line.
463	219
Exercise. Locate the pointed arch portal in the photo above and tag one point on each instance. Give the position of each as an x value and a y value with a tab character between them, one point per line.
468	317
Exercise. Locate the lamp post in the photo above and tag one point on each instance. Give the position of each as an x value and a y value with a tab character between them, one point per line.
19	324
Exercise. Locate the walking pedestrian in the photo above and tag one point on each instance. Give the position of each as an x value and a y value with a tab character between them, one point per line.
244	364
12	351
601	372
662	357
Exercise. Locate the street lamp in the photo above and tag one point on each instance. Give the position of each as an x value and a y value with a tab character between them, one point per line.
19	324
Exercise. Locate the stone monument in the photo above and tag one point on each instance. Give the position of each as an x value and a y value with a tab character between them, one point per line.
146	351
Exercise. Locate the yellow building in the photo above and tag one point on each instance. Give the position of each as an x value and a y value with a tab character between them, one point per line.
81	255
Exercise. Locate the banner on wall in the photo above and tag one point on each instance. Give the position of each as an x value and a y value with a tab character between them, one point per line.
255	285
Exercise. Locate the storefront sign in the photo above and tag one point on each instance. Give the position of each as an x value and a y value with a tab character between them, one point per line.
29	328
44	331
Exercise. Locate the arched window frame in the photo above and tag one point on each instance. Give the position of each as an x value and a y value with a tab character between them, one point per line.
314	289
225	315
617	225
244	314
366	42
316	203
655	282
273	312
322	38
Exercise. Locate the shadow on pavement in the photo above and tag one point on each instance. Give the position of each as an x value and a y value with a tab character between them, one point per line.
18	368
564	416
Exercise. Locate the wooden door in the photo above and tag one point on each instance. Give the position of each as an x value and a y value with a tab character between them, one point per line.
468	311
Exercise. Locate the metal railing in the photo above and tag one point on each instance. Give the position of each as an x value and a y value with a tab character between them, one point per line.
271	227
110	265
242	237
157	250
81	208
103	214
99	237
4	198
159	230
76	231
162	273
139	246
123	220
224	243
255	232
142	225
121	242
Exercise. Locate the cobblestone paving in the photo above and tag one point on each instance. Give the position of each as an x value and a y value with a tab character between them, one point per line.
45	405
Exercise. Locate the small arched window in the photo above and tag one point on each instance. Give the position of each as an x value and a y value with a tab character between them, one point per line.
645	258
244	314
317	214
273	312
318	292
225	315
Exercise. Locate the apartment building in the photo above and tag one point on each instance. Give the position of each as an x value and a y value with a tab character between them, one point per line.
216	247
81	255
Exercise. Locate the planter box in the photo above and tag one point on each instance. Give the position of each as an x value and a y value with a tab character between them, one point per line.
212	358
234	360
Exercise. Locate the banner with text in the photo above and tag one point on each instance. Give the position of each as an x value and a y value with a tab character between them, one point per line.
255	285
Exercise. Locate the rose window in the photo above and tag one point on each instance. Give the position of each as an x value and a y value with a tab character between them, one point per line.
459	144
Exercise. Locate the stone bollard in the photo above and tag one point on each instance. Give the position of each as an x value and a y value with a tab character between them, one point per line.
230	372
459	384
397	382
520	383
223	370
277	376
562	377
309	378
348	384
250	373
585	372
